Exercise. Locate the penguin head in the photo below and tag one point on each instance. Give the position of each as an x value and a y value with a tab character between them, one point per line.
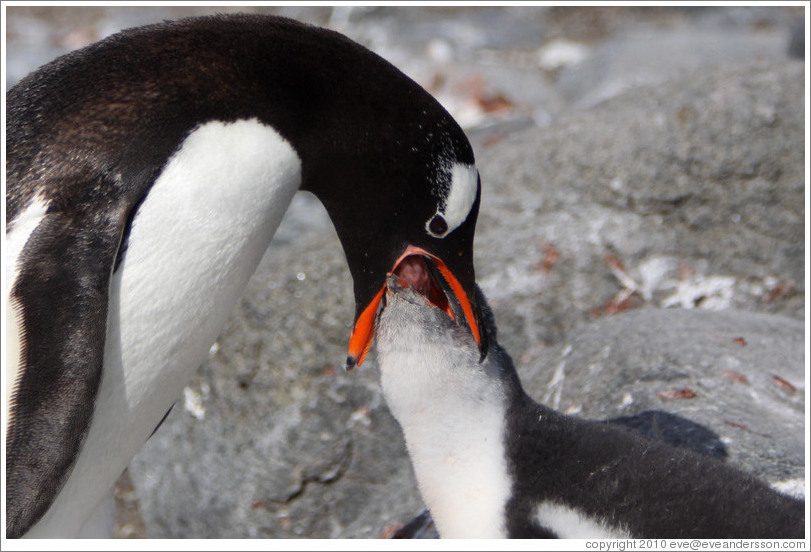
413	206
433	243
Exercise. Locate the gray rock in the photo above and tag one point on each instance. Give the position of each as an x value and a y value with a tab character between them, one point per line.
652	55
687	194
796	44
738	374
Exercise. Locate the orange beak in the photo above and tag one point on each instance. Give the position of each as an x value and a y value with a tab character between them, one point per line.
363	332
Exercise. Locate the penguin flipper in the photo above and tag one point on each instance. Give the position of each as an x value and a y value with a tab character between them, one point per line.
60	299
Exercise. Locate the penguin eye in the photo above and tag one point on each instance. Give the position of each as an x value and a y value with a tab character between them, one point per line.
456	202
437	225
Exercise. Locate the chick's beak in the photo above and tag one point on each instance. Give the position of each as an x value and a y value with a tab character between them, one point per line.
363	332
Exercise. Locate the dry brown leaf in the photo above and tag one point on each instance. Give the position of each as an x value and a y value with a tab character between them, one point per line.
783	383
733	375
676	394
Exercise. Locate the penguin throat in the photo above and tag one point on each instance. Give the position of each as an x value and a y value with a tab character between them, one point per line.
414	272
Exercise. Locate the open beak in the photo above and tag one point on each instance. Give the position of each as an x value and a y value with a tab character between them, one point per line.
363	333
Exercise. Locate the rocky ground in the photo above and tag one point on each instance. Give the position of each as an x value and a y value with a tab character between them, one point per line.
641	240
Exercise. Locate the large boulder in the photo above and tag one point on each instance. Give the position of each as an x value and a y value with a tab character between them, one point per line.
740	376
686	194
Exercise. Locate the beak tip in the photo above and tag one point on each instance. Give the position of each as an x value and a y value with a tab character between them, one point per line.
351	362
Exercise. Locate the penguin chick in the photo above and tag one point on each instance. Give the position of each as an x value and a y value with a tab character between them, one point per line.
491	462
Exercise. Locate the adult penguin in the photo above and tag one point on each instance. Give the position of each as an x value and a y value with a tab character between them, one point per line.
146	175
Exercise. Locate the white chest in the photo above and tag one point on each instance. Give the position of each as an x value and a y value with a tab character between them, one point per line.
195	241
453	420
463	476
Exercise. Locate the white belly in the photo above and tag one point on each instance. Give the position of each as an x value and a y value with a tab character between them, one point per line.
196	240
453	418
570	523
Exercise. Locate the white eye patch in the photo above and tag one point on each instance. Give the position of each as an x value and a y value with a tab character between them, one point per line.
454	209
